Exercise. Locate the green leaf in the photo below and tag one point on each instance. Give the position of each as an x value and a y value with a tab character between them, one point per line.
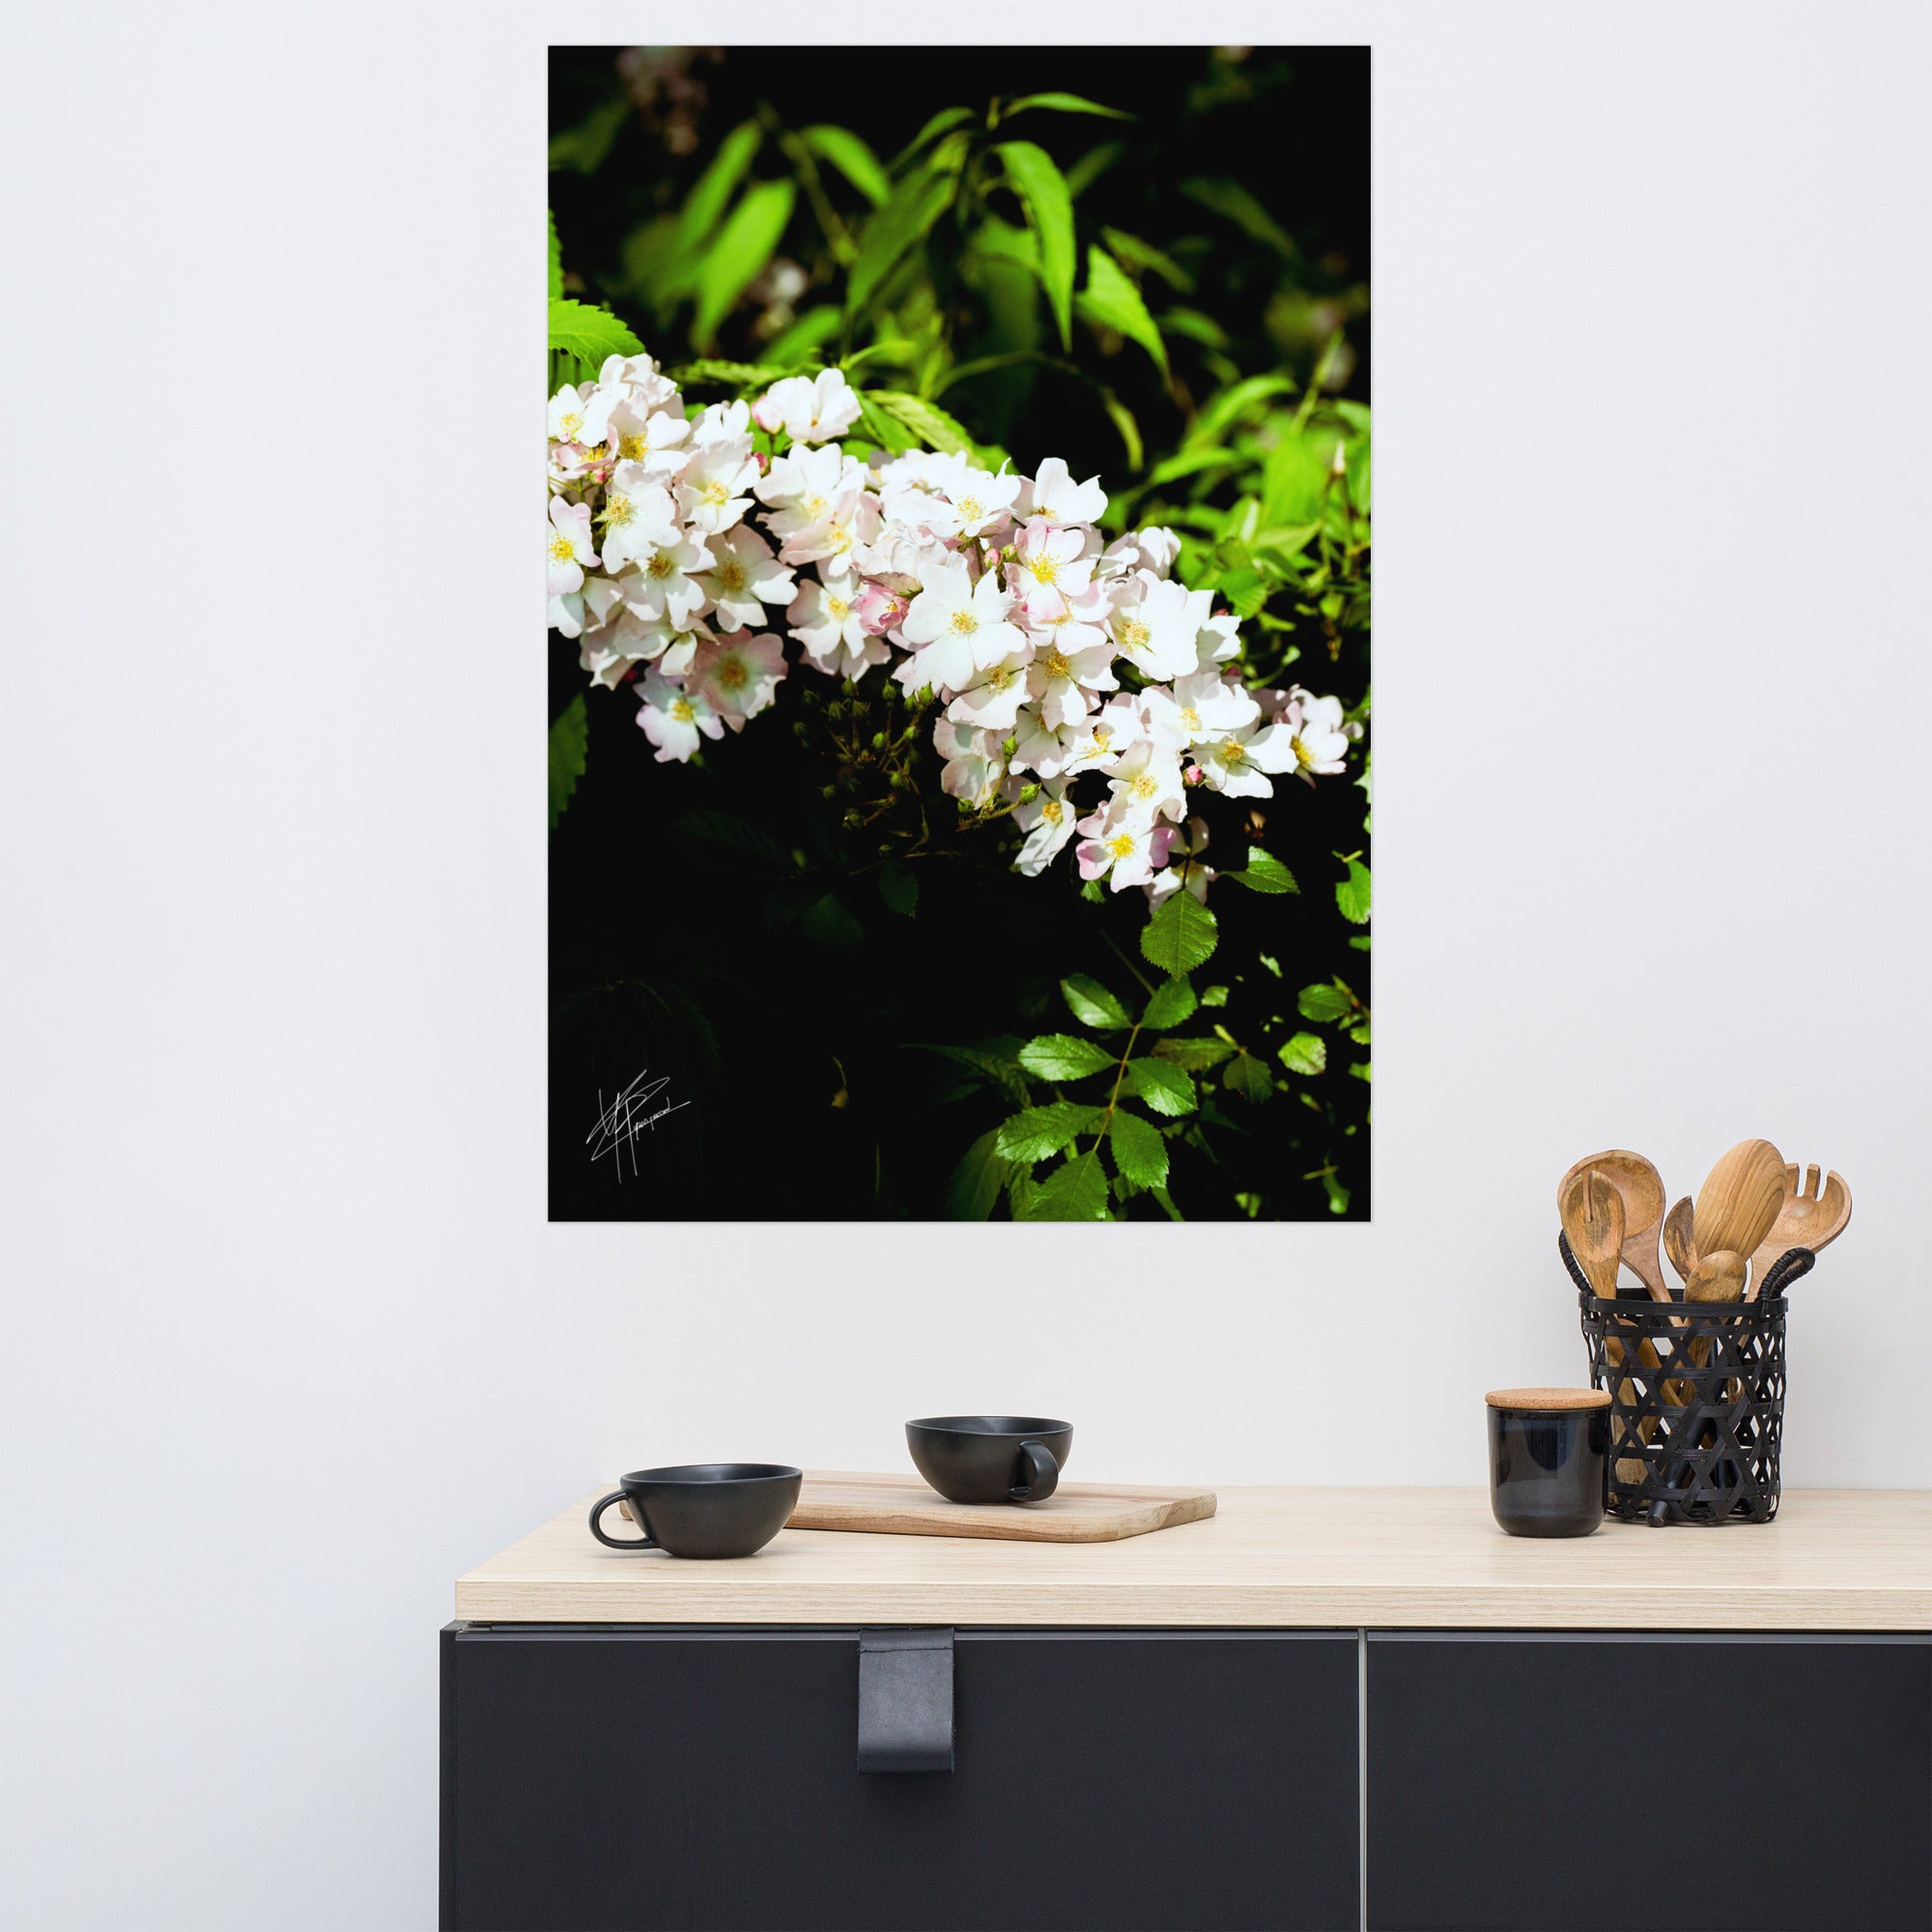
1324	1003
706	203
1061	103
1213	995
815	328
1122	420
1180	935
916	203
1230	199
568	739
1139	1151
989	1059
737	835
1246	590
1044	193
582	148
1091	165
1305	1053
1196	1055
947	117
1063	1056
1208	429
556	260
1110	301
898	887
976	1181
1169	1004
1248	1076
1265	873
1295	480
1161	1085
588	334
886	431
1036	1132
1091	1005
928	421
737	256
853	159
830	923
727	374
1338	1195
1352	895
1143	255
1076	1191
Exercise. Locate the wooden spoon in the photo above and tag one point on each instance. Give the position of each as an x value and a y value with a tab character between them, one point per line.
1739	1199
1717	1277
1593	1218
1680	1242
1641	1187
1808	1218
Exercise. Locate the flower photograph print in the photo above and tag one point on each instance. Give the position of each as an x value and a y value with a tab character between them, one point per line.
957	547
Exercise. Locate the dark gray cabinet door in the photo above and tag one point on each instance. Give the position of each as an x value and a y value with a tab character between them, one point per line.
1618	1783
603	1778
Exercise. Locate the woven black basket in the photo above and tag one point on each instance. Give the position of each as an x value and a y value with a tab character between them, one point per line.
1697	1400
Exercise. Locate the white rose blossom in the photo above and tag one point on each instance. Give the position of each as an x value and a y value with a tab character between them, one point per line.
677	547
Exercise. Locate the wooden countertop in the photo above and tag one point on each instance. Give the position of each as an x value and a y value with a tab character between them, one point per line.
1834	1559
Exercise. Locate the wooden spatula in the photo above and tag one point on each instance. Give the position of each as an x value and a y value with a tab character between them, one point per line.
1680	1242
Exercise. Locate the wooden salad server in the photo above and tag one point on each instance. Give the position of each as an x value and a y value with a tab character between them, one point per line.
1641	1187
1738	1201
1680	1242
1809	1216
1592	1211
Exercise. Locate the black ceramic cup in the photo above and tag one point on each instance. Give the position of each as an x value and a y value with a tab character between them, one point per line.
1548	1458
990	1458
703	1509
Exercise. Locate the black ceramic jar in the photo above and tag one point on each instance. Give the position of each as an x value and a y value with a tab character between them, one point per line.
1549	1458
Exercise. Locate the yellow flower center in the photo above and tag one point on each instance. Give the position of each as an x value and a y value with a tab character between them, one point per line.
616	509
1132	634
1233	751
1053	812
680	709
1103	736
838	606
814	507
1190	717
1145	786
1122	844
999	678
561	549
633	447
971	509
1046	567
733	674
569	427
661	566
715	494
1054	663
965	623
731	574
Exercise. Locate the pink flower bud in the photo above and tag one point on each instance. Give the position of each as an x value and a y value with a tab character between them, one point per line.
878	609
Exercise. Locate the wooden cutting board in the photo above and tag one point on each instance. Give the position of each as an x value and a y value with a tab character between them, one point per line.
1075	1513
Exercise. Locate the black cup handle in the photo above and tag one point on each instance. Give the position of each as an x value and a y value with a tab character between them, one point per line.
597	1510
1041	1474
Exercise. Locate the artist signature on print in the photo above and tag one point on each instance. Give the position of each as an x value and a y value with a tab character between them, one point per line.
630	1114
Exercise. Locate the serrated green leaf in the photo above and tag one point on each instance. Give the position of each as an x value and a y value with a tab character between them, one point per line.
898	887
1359	1069
1161	1085
830	923
1036	1132
946	118
1238	204
1265	873
588	334
1295	480
1091	1005
1221	411
992	1060
1245	590
1324	1003
1139	1151
1352	895
928	421
1247	1076
1214	996
1305	1053
1360	1034
886	430
1063	1056
582	148
736	256
1075	1191
1195	1054
815	328
1110	301
915	205
976	1181
853	159
737	835
728	375
1181	934
569	740
1139	254
1169	1004
1049	203
556	260
1061	103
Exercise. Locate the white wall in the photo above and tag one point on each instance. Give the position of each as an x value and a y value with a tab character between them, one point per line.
288	1341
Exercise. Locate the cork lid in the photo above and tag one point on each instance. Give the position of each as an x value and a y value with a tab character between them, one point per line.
1548	1400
